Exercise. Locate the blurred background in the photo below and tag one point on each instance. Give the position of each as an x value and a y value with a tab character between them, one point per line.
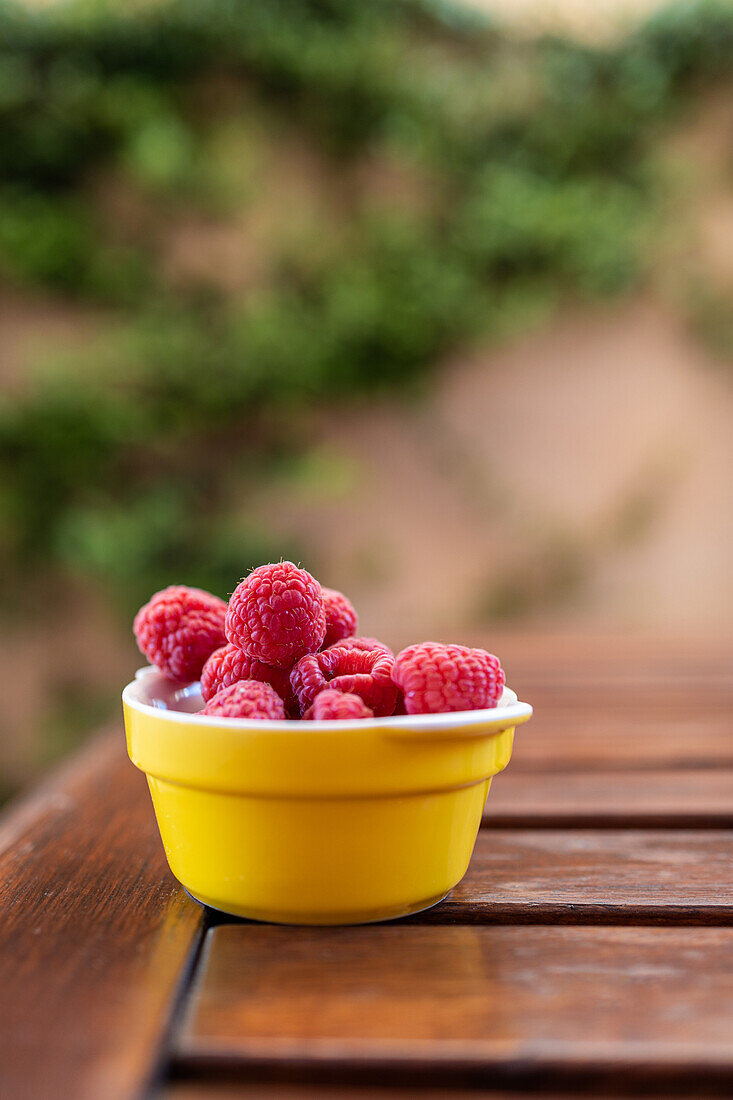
434	298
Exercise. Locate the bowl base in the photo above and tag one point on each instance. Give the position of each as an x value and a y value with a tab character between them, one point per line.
370	916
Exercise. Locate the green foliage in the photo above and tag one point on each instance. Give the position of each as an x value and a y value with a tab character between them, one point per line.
580	230
532	158
709	312
49	240
154	540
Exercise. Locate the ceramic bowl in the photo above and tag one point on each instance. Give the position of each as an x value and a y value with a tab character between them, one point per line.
315	822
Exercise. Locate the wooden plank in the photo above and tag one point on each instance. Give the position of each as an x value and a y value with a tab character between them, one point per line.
95	934
596	876
581	733
233	1089
674	798
621	703
477	1004
625	732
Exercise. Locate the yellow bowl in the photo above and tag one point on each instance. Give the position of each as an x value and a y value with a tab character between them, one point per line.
315	822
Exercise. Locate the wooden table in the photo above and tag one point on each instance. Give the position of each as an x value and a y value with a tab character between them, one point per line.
589	949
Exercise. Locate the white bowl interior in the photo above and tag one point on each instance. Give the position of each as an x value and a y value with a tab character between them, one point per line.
150	690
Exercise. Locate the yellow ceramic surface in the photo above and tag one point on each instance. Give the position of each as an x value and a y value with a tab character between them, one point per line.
317	822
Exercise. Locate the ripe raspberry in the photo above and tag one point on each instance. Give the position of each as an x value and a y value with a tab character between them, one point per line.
277	614
341	618
179	628
330	705
439	678
228	665
246	699
365	644
348	670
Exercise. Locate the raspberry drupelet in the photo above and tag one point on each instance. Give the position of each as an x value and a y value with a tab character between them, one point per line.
366	674
436	679
179	628
246	699
277	614
341	620
331	705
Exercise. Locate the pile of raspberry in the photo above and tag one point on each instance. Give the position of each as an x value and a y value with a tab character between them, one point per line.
286	648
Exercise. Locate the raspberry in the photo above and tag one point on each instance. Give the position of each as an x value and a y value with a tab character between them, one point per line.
228	665
179	628
365	644
331	705
366	674
341	618
246	699
439	678
399	707
277	614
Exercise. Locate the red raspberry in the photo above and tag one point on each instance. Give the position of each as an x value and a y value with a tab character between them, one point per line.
277	614
228	665
341	618
246	699
365	644
179	628
349	670
439	678
330	705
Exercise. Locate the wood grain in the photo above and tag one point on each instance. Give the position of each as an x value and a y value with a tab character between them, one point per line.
597	876
537	972
674	798
234	1089
95	935
581	733
604	703
483	1005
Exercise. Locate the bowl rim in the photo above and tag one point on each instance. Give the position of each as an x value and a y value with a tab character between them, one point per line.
509	713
